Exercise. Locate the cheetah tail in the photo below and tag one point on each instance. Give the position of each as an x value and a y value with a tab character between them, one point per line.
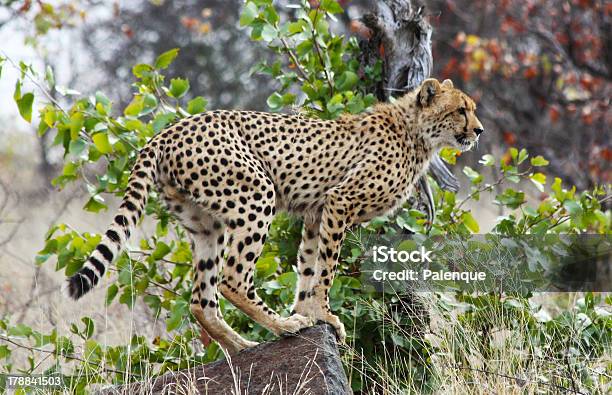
139	185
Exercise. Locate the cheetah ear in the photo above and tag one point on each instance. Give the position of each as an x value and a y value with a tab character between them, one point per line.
447	83
429	89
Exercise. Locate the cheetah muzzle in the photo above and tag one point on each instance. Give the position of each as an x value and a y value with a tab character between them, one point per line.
224	175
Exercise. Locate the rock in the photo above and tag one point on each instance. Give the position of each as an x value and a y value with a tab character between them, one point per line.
308	363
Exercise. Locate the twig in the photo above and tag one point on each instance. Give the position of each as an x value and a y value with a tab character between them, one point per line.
303	76
162	259
319	55
3	205
153	282
24	309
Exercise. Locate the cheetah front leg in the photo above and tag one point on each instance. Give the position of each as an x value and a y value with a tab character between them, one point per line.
306	262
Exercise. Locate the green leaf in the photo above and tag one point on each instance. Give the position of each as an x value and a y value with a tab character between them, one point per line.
473	175
179	314
572	207
149	103
135	107
331	6
355	105
197	105
20	330
513	153
77	120
510	198
487	160
161	250
296	27
275	101
111	292
539	161
539	180
73	265
17	92
89	327
164	60
347	80
162	120
49	116
78	148
268	33
522	156
24	103
4	352
470	222
127	297
142	70
558	190
178	87
266	266
249	13
95	205
41	340
101	142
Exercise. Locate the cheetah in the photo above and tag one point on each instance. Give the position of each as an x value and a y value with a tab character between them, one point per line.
224	175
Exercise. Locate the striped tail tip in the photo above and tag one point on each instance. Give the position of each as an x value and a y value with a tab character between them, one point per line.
78	285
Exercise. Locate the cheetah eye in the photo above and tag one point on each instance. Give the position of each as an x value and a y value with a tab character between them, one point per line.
462	111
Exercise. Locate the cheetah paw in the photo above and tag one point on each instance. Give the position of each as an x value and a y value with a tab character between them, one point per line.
334	321
293	324
234	347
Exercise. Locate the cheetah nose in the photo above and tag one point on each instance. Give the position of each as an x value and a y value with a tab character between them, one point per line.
478	131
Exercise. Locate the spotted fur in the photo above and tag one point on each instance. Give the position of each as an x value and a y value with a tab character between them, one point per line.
224	175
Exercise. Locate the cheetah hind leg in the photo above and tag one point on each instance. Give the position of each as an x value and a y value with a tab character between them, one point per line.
205	304
206	234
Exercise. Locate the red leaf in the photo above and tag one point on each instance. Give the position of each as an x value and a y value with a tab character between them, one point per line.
449	68
554	113
531	72
127	30
509	138
507	158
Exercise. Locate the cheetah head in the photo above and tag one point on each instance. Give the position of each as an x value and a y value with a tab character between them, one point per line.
447	115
